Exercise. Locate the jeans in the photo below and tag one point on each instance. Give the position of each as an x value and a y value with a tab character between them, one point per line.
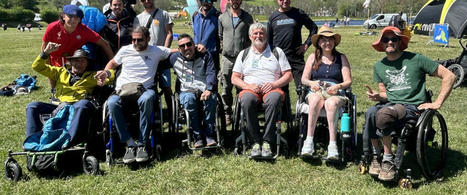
146	108
79	124
194	106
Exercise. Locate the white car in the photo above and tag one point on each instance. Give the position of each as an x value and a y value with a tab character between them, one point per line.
381	20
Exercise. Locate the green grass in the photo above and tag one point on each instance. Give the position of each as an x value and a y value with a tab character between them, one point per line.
227	173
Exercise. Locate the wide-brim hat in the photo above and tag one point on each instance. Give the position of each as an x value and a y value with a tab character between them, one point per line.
73	10
404	39
327	32
79	53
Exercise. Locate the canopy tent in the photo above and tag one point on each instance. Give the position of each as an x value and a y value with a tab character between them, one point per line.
450	12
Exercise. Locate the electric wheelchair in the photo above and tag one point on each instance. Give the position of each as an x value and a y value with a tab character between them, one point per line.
427	137
347	141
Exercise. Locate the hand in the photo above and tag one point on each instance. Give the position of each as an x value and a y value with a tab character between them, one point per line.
254	87
302	49
267	87
314	85
101	76
201	48
333	89
205	95
371	94
51	47
433	106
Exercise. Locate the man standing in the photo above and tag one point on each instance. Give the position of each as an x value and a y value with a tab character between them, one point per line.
195	71
139	63
160	26
285	31
233	35
205	29
402	96
260	74
119	25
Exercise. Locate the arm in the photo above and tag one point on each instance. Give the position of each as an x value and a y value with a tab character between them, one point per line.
312	28
307	73
220	33
446	86
211	79
237	80
40	66
169	37
106	47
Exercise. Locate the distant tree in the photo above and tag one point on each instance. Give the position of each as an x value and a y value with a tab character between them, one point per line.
29	4
49	15
5	4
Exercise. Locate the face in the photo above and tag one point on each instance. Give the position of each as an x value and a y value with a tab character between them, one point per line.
326	43
284	4
140	43
235	4
258	38
206	6
78	65
390	42
186	47
71	20
147	4
117	7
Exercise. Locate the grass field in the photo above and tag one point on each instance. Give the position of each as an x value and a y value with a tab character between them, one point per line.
226	173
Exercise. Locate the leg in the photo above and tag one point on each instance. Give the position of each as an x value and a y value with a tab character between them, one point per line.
209	107
114	104
273	102
165	85
249	103
33	112
297	64
369	133
80	123
332	105
226	74
146	109
315	104
190	103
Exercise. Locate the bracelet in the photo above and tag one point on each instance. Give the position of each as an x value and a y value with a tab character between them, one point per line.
108	73
44	55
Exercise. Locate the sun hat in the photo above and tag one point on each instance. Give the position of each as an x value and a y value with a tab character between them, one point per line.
73	10
79	53
327	32
404	39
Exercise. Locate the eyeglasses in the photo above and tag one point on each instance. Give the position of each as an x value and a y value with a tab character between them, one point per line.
393	39
138	40
189	44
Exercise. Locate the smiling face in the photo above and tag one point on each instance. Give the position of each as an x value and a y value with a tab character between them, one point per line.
71	21
258	38
326	43
284	4
186	47
78	65
140	43
117	7
391	43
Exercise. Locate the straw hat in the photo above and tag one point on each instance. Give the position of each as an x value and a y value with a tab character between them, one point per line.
327	32
404	39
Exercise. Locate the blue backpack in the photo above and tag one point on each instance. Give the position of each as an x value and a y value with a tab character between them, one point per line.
21	85
24	80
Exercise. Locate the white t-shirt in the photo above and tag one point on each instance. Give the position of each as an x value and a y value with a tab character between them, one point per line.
157	29
139	66
260	68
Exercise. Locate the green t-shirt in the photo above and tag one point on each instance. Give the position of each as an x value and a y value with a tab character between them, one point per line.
404	78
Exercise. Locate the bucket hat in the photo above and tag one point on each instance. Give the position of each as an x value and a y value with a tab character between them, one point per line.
404	39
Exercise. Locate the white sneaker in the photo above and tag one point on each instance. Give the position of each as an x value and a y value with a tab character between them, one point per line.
308	148
333	154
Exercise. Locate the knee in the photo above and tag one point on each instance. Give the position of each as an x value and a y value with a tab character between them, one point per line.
83	104
331	104
387	116
248	100
33	105
112	102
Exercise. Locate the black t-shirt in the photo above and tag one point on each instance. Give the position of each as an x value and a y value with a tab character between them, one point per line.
285	29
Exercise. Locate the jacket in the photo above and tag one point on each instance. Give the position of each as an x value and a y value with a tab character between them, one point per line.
194	75
205	30
234	38
118	30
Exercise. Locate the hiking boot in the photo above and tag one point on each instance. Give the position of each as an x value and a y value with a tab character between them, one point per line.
308	148
228	119
255	150
388	171
266	150
142	155
333	154
199	144
129	155
210	141
375	166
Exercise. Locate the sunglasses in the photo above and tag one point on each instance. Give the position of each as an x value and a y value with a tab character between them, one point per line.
189	44
137	40
393	39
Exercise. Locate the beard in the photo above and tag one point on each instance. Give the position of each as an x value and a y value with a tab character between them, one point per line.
235	6
259	43
140	46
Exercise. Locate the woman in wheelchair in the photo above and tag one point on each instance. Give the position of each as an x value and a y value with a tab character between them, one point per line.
326	73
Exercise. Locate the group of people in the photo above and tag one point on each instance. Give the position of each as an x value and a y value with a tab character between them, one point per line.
258	60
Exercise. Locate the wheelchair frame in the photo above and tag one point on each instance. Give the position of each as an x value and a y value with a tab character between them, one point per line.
458	65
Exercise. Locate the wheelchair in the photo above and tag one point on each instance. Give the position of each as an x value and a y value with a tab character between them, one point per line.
458	65
243	142
115	150
182	117
427	137
347	141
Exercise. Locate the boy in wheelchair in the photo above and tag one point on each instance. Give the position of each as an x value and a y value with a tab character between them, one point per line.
402	96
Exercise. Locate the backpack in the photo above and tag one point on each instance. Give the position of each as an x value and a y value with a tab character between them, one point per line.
24	80
274	52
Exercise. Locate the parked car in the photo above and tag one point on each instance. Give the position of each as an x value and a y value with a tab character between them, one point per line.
380	20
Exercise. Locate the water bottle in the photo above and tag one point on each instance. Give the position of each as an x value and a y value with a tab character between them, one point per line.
346	137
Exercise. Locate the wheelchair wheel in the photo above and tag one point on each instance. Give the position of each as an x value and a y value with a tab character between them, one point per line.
220	124
90	165
432	144
458	70
13	171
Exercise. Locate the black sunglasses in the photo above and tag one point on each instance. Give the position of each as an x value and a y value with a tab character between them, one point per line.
189	44
393	39
139	40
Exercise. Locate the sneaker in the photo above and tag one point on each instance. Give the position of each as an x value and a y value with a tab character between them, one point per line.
266	150
308	148
255	150
228	119
129	155
199	144
210	141
388	171
333	154
375	166
142	154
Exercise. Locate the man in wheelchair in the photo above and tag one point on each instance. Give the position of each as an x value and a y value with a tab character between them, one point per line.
260	77
196	74
401	96
73	84
139	63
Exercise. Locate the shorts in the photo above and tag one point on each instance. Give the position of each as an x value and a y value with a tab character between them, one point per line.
412	115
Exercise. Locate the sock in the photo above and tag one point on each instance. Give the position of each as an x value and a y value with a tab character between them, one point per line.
376	151
131	143
332	143
387	157
309	138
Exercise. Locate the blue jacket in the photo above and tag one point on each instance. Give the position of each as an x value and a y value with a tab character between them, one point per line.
205	30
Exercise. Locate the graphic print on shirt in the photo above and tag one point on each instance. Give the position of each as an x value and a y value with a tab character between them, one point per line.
286	21
398	79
